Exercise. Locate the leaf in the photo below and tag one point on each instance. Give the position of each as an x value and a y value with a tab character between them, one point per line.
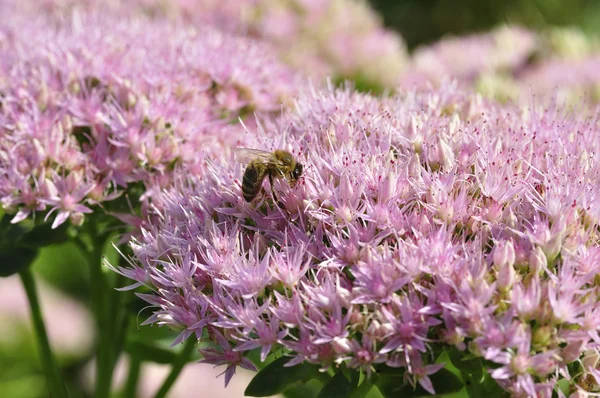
254	356
390	379
464	362
146	351
310	389
11	234
19	243
43	235
276	377
15	260
485	387
444	382
338	387
478	382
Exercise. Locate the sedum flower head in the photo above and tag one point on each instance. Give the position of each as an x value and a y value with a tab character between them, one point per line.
427	220
510	63
94	104
342	39
468	58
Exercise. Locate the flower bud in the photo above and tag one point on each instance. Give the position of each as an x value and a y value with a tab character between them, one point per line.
493	211
77	219
341	346
414	167
542	336
504	254
388	187
446	211
506	277
552	247
537	261
446	155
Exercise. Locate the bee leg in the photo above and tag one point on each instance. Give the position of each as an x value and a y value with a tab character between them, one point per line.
275	200
272	188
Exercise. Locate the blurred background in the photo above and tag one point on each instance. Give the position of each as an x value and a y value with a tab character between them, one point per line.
64	281
424	21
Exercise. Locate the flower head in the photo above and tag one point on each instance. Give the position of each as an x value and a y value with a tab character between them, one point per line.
362	262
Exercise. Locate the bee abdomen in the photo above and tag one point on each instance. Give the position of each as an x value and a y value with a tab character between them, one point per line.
252	182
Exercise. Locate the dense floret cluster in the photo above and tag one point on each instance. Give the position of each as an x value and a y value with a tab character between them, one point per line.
512	64
340	39
91	103
431	220
469	58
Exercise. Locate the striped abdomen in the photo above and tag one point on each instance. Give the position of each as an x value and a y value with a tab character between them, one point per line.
252	182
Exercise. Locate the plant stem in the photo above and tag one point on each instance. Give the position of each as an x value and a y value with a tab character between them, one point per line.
130	390
104	330
56	384
104	365
117	315
178	364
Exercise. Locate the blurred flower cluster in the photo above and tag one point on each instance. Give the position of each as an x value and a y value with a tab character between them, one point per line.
513	63
340	39
426	221
92	103
469	58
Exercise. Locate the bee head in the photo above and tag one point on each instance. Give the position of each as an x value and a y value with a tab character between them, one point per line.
297	172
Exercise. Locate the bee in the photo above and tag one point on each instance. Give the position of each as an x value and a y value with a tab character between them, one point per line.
276	164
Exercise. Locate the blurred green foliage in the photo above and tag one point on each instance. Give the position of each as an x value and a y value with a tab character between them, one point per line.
424	21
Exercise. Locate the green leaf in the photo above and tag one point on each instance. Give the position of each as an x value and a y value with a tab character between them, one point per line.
363	388
478	382
276	377
146	351
11	234
15	260
19	243
310	389
486	387
254	357
43	235
338	387
389	380
466	363
444	382
563	385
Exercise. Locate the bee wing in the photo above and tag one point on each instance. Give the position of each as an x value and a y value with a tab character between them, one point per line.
247	155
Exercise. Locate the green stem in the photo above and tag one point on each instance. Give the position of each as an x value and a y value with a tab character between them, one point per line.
56	384
117	304
130	390
104	365
104	330
182	359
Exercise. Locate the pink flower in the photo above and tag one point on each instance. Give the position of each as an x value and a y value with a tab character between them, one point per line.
418	224
86	118
225	356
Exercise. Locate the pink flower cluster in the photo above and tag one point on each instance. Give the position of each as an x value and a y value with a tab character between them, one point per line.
511	63
92	103
429	220
341	39
571	80
468	58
